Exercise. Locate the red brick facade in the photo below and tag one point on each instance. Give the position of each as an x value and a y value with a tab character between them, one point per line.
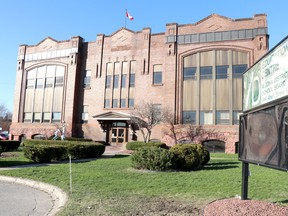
136	53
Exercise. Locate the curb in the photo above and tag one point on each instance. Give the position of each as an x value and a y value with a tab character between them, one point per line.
59	197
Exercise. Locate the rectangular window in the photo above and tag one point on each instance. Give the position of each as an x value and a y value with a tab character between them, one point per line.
238	70
46	117
222	72
156	112
189	117
37	117
157	78
115	81
236	117
30	83
39	82
206	72
87	79
59	81
56	116
49	82
114	103
132	80
131	103
189	73
27	116
222	117
108	81
123	81
85	114
123	103
107	103
206	118
157	74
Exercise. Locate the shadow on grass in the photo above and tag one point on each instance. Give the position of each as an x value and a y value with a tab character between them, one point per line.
283	201
221	166
4	164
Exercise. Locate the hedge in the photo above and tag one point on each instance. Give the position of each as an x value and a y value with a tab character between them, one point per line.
9	145
152	158
48	150
135	145
189	156
179	157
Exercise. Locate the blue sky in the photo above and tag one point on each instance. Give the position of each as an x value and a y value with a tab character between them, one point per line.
30	21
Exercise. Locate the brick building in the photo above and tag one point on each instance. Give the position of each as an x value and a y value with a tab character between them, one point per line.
194	69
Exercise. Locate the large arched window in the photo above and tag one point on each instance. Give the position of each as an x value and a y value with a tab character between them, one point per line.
212	86
44	94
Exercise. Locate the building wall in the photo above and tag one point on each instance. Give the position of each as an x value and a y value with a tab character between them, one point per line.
148	51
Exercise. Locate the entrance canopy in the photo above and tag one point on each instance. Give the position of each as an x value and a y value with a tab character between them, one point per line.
106	119
113	116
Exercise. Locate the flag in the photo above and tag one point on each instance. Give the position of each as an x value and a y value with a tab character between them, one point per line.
129	16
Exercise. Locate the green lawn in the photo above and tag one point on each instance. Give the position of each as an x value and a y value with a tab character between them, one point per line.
109	186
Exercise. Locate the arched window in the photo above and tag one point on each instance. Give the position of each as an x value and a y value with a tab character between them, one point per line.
212	86
44	94
215	146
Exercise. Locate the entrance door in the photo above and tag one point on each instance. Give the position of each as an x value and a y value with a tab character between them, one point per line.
118	135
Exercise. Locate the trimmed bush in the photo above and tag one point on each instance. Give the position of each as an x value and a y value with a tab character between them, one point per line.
44	153
85	150
135	145
9	145
152	158
78	139
48	150
186	156
205	156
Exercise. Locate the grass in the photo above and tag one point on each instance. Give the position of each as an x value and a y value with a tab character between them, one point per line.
109	186
15	158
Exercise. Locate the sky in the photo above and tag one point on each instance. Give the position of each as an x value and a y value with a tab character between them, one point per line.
31	21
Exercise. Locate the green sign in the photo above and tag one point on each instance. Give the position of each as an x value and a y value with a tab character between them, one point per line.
267	80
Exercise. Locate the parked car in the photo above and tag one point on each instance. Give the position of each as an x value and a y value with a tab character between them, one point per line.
4	136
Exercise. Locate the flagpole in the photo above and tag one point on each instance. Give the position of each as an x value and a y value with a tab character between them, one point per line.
125	18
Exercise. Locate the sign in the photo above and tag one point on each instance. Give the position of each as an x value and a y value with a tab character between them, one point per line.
267	80
264	137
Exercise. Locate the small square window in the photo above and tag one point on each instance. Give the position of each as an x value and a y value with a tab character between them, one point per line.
157	78
189	73
123	103
56	116
131	103
107	103
189	117
114	103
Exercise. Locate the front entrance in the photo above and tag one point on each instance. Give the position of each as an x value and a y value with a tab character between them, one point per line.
118	133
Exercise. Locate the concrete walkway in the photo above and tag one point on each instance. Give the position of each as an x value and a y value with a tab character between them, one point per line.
48	203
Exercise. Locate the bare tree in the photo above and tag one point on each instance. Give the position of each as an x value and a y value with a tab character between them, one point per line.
200	134
192	133
5	117
168	117
145	117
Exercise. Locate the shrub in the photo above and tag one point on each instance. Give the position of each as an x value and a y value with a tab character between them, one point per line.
48	150
152	158
44	153
135	145
78	139
205	156
187	156
85	150
9	145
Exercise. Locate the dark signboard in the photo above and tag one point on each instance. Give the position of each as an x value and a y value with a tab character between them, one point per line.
264	137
